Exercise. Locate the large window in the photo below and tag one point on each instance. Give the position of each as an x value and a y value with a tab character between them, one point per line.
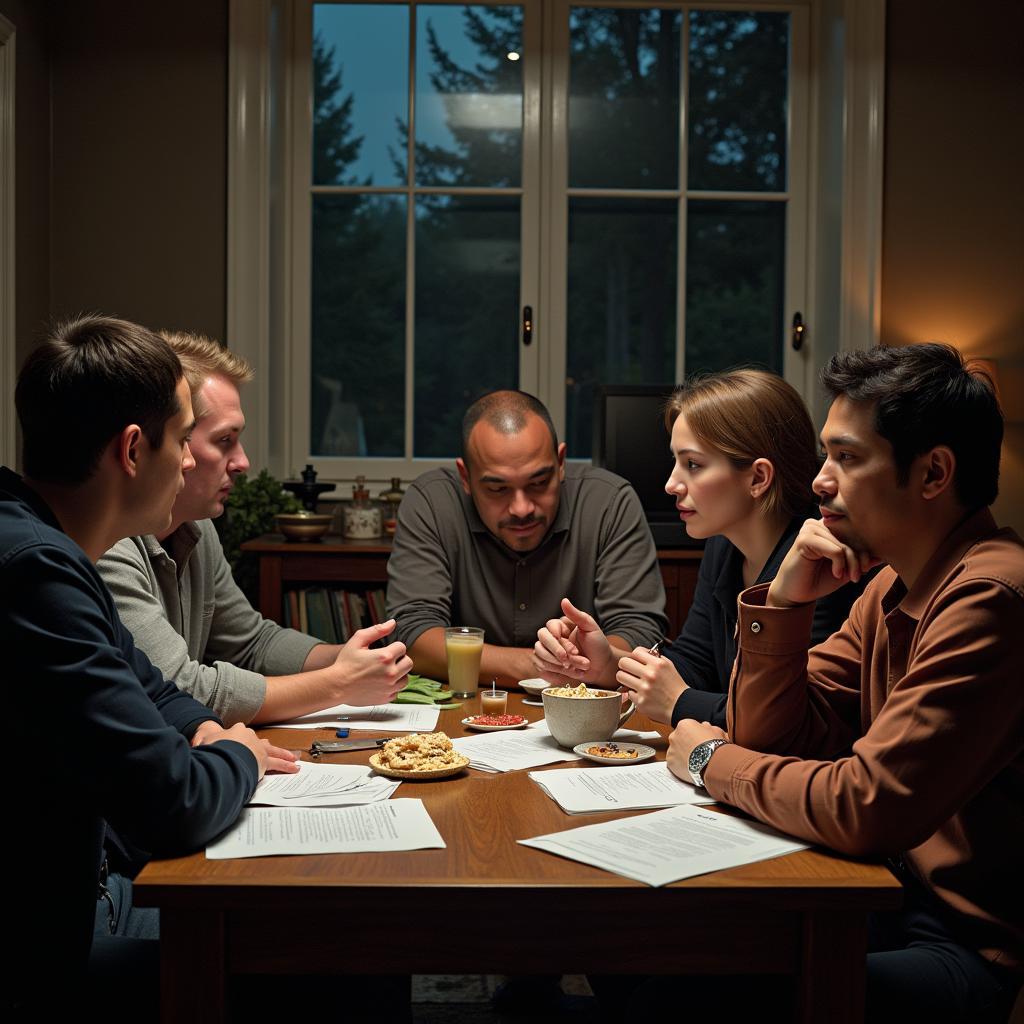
628	179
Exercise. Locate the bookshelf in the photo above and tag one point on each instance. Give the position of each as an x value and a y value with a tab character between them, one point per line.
361	565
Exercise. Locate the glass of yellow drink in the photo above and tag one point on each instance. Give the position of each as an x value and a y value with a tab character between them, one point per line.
464	645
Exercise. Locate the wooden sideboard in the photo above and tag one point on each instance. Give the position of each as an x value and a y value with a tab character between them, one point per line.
363	563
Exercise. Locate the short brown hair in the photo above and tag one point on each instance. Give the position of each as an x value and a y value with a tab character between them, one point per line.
90	378
202	357
748	415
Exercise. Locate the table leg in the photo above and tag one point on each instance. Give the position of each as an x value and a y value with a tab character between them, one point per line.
192	967
831	981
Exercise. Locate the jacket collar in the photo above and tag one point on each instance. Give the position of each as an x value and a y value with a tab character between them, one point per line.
14	486
947	556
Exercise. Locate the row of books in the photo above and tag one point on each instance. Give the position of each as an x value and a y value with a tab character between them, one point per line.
332	615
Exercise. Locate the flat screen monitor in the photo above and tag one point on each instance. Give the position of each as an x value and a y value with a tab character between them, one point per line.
630	439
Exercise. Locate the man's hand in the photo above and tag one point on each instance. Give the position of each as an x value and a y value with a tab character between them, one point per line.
817	564
206	732
572	647
285	762
365	676
652	682
210	732
684	737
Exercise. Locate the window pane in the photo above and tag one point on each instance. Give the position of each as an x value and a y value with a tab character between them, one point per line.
469	95
360	93
735	262
358	325
623	98
467	311
621	302
737	116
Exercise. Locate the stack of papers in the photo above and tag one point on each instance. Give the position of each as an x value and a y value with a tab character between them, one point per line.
668	845
324	785
382	717
266	831
512	749
640	787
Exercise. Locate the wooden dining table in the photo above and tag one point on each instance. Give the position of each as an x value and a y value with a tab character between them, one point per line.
487	905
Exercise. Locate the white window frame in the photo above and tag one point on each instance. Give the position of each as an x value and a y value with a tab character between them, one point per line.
843	227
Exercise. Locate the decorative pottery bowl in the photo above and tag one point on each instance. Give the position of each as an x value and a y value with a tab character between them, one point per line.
303	525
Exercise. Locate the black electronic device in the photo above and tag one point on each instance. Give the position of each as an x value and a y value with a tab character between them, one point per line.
630	439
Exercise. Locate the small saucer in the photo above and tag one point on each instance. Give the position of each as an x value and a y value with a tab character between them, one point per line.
643	752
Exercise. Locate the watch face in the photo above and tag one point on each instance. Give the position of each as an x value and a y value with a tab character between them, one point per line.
699	757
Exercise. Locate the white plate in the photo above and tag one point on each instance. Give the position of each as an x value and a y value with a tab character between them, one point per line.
643	752
470	723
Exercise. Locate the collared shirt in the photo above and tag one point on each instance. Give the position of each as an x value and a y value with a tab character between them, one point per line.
907	728
447	568
182	605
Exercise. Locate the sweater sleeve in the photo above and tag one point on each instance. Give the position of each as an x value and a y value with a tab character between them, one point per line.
240	637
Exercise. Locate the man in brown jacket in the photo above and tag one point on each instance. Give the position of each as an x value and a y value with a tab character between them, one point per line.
902	735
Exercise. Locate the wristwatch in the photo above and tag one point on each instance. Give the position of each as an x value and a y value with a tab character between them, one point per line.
699	757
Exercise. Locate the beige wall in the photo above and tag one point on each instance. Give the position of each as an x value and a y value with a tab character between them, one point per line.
121	128
953	239
138	213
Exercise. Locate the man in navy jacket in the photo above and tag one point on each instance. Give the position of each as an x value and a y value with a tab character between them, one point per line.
122	760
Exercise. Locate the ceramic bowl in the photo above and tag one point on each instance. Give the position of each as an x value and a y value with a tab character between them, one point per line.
534	687
573	720
303	525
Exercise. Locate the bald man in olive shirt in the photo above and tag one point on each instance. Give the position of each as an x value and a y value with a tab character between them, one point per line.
501	539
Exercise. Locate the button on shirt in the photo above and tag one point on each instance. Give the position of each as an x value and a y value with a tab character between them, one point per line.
447	569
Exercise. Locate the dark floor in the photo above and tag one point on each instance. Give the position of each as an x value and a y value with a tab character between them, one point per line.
466	999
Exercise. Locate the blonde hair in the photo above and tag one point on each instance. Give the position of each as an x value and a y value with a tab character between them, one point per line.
202	357
748	415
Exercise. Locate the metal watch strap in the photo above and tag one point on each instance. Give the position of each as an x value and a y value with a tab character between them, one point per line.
699	757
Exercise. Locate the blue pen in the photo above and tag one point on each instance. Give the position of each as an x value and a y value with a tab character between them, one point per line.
341	733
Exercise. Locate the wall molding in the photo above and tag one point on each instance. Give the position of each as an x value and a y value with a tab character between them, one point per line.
8	340
863	172
248	221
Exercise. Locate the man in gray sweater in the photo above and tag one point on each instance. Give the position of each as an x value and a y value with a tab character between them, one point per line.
175	592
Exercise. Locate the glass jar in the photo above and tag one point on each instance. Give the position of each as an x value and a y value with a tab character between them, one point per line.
389	502
361	516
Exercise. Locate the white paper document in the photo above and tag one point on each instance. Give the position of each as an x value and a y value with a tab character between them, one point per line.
512	749
324	785
384	717
668	845
375	828
640	787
